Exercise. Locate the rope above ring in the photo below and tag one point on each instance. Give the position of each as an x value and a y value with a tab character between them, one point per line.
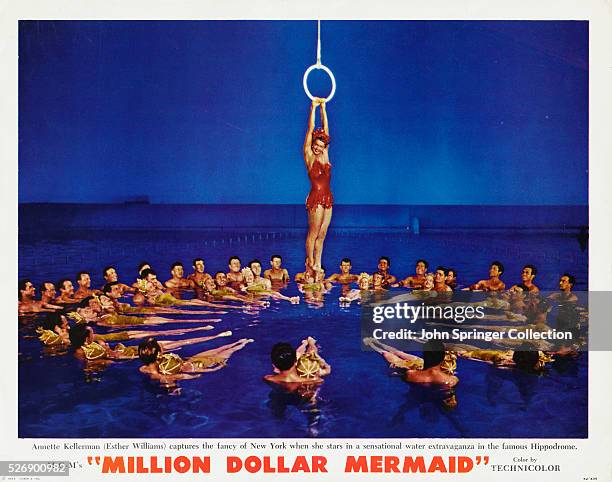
319	66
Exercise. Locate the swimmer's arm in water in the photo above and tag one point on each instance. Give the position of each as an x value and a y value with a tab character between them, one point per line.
477	286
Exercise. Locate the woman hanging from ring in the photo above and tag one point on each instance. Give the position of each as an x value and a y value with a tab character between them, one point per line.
320	200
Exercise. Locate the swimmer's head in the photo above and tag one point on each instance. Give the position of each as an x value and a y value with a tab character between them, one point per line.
283	356
377	280
528	273
148	274
142	266
496	269
384	263
433	353
440	275
451	275
110	274
198	265
54	321
177	269
25	289
345	266
275	261
309	277
92	302
364	281
526	357
209	284
48	290
80	334
421	267
234	264
320	140
148	351
249	277
566	282
429	281
220	279
66	287
83	279
320	274
112	290
255	266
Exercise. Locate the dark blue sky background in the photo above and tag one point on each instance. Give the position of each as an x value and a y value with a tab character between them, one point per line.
214	112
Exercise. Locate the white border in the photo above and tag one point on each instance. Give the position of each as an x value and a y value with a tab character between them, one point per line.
594	458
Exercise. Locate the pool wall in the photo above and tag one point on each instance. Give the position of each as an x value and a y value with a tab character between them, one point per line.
37	217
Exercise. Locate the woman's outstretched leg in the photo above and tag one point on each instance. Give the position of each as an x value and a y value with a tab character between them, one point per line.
224	351
315	221
318	246
173	345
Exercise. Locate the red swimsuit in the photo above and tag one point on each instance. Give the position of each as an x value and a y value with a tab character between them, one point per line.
320	193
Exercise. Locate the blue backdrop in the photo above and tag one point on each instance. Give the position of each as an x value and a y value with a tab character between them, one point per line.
214	112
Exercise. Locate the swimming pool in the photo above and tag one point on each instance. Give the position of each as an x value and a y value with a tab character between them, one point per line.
359	399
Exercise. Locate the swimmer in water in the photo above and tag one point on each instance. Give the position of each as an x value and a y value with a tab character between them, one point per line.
169	367
363	282
451	278
105	311
234	277
440	280
217	289
294	367
525	357
66	296
418	279
320	200
437	366
345	276
54	330
83	340
314	281
528	274
139	285
494	283
262	289
84	290
110	276
277	274
299	277
48	295
178	282
255	266
429	283
384	263
199	274
565	295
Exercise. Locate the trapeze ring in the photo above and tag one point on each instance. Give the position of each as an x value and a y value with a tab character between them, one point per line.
331	76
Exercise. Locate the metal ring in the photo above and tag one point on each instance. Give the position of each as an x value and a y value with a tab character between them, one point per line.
331	76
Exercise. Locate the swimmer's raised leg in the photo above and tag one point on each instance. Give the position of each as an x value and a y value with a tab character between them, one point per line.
173	345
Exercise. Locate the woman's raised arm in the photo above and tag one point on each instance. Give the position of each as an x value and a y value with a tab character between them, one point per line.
311	126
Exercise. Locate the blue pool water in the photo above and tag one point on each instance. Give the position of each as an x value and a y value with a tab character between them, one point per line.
361	398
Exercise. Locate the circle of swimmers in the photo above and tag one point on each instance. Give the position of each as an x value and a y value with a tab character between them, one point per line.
70	318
